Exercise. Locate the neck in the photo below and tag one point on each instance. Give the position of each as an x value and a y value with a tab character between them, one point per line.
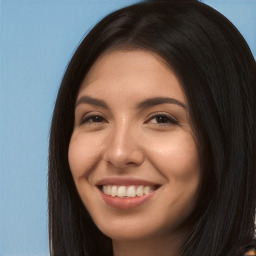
164	246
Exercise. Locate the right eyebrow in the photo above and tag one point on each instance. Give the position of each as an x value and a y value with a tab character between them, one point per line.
92	101
160	100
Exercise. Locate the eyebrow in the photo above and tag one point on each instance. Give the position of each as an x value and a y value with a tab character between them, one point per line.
144	104
92	101
160	100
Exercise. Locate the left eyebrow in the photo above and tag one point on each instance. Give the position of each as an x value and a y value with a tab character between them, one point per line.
160	100
92	101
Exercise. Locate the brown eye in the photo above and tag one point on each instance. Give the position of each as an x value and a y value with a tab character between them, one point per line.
163	119
93	119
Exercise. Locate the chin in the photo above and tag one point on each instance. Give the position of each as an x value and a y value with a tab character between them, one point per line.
125	230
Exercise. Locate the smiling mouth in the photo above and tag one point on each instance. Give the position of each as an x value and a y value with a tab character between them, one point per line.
130	191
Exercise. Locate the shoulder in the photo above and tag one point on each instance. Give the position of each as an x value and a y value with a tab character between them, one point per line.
251	252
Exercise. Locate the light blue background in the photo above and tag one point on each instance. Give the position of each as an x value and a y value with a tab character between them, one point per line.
37	40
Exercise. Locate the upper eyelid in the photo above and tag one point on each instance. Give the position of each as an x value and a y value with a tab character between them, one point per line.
150	116
91	114
163	114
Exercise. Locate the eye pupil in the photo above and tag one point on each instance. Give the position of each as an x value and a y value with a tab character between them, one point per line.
96	119
162	119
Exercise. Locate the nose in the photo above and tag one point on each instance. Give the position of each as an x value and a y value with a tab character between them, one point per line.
123	148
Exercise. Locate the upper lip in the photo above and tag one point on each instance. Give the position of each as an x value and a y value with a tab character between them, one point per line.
125	181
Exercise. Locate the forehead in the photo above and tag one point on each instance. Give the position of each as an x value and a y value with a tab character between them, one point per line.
130	72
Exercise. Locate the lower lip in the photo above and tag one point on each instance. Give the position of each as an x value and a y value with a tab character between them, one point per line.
126	202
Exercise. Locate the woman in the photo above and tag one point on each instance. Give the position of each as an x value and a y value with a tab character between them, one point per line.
152	145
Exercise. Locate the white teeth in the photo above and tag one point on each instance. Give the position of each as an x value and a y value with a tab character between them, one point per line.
114	191
131	192
139	191
127	191
121	191
108	190
147	190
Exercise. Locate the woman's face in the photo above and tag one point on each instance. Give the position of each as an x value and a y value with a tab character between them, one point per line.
132	153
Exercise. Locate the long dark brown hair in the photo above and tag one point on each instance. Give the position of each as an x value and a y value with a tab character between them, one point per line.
218	74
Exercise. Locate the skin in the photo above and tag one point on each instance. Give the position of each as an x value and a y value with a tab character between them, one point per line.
151	142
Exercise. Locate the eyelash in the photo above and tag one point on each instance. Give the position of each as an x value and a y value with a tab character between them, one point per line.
167	119
89	119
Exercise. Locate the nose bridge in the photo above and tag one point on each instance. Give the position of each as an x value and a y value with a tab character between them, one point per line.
123	147
121	143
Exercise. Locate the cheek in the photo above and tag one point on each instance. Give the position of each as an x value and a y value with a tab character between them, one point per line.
83	154
175	157
177	160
